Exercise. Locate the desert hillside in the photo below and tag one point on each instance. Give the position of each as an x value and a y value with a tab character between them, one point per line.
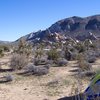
60	82
47	72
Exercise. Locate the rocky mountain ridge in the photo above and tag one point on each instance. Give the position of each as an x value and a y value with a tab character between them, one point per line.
74	27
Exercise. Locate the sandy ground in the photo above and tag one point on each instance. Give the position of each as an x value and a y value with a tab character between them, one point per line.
37	88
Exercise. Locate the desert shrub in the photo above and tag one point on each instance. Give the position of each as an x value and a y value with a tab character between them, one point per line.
62	54
74	55
47	66
36	62
18	61
50	62
93	46
8	78
6	48
23	48
88	73
38	53
83	64
30	68
41	71
36	70
53	54
53	83
62	62
80	47
91	59
1	52
71	55
97	53
40	61
90	56
68	54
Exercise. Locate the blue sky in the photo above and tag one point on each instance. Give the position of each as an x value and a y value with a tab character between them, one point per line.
20	17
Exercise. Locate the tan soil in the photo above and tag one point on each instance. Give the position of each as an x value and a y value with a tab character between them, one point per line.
36	88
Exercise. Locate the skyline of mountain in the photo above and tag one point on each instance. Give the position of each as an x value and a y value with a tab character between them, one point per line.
75	27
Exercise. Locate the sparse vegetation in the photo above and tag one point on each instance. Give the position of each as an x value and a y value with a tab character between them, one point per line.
23	48
3	49
38	62
1	53
62	62
83	64
31	69
18	61
53	54
80	47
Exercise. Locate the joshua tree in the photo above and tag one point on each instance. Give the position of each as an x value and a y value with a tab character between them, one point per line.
87	43
80	47
38	53
24	48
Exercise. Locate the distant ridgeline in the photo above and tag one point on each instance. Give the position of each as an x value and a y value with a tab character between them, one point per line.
74	27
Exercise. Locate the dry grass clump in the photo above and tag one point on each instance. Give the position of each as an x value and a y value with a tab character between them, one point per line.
83	64
1	52
90	56
62	62
40	61
18	61
55	86
31	69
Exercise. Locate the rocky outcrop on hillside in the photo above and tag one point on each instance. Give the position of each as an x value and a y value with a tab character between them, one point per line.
74	27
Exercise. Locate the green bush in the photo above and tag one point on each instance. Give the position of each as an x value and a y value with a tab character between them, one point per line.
80	47
1	52
5	48
53	54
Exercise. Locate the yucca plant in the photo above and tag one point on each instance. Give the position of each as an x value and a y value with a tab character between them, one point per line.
23	48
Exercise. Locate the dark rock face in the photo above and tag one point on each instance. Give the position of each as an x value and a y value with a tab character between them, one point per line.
93	24
88	35
67	25
75	27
